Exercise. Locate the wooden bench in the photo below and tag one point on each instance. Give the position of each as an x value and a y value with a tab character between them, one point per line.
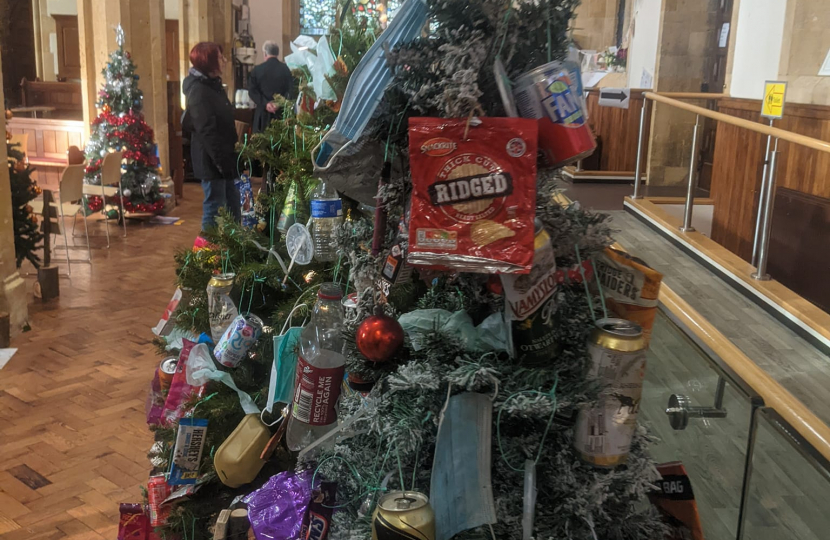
65	97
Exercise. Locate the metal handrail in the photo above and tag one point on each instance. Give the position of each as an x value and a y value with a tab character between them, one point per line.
763	223
778	133
775	396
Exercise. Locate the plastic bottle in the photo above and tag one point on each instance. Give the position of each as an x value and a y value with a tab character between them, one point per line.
320	369
326	215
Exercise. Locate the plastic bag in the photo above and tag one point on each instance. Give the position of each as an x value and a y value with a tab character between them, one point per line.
490	335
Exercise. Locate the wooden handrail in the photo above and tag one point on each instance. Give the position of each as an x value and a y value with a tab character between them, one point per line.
775	396
782	134
690	95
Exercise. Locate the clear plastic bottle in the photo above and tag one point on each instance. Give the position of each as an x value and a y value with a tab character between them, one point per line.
320	369
326	215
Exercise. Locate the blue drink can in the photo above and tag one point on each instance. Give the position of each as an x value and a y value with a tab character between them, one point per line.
237	340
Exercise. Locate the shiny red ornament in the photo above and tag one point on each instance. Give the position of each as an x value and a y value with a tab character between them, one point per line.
379	337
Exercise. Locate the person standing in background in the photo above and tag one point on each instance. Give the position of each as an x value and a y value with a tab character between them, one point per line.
269	78
209	120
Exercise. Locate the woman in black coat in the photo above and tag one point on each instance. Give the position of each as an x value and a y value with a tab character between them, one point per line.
210	121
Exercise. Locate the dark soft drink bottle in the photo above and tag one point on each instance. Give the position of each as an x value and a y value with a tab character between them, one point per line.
320	369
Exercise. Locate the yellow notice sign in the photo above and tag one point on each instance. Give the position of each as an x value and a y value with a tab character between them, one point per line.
773	105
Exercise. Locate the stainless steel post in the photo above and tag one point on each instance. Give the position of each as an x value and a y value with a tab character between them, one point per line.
579	166
690	192
750	450
761	201
637	166
766	225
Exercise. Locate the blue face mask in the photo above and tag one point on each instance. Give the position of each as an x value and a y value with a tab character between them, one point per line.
281	386
461	492
367	84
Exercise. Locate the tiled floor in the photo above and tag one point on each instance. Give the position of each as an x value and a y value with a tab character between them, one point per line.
73	437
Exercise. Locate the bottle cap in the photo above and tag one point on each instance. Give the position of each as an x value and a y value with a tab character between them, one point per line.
330	291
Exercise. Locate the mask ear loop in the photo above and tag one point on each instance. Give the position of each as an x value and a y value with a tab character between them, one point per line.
291	315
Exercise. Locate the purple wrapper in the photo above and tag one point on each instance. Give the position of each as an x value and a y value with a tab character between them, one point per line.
277	509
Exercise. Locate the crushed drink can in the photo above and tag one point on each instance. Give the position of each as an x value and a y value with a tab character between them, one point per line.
221	309
549	94
603	433
402	515
237	340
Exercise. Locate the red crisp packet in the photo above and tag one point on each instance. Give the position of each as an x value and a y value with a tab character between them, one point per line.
676	503
473	198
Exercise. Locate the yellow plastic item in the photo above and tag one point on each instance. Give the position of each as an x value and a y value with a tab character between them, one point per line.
237	461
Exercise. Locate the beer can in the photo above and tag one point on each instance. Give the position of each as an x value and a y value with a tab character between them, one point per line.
167	369
403	515
549	94
603	433
237	340
530	303
221	309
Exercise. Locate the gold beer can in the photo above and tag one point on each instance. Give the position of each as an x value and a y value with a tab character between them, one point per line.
403	515
603	433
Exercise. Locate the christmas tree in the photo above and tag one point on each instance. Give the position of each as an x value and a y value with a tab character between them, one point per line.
391	440
120	126
27	235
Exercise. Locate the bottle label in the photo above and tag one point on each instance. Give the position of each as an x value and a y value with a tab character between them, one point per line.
330	208
316	393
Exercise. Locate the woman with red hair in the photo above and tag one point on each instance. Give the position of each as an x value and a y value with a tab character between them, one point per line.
209	119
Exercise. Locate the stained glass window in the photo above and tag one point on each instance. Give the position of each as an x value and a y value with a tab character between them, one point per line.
317	16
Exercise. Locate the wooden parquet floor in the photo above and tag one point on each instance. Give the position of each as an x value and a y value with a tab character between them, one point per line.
73	437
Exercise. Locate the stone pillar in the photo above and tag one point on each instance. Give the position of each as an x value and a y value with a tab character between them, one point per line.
687	34
13	297
143	24
146	43
206	20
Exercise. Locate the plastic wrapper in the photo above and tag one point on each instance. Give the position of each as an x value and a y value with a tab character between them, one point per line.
317	520
181	392
154	406
134	523
676	502
631	287
278	508
323	65
246	200
473	197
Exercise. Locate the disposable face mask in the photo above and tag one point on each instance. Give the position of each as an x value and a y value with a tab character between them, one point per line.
461	492
367	84
281	386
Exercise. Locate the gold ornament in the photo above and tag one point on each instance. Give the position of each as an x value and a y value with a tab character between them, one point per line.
20	166
9	114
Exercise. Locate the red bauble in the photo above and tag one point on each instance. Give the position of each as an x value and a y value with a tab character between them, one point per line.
379	337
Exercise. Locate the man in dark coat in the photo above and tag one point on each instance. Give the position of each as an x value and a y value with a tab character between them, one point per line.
269	78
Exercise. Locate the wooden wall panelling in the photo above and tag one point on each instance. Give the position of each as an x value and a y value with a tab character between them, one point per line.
617	131
738	165
69	48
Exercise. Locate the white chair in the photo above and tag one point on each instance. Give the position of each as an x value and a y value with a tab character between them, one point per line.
70	203
110	186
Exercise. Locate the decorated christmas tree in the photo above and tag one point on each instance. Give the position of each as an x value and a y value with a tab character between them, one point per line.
27	235
467	333
120	126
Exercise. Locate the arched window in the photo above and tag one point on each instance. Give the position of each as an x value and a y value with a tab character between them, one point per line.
318	16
